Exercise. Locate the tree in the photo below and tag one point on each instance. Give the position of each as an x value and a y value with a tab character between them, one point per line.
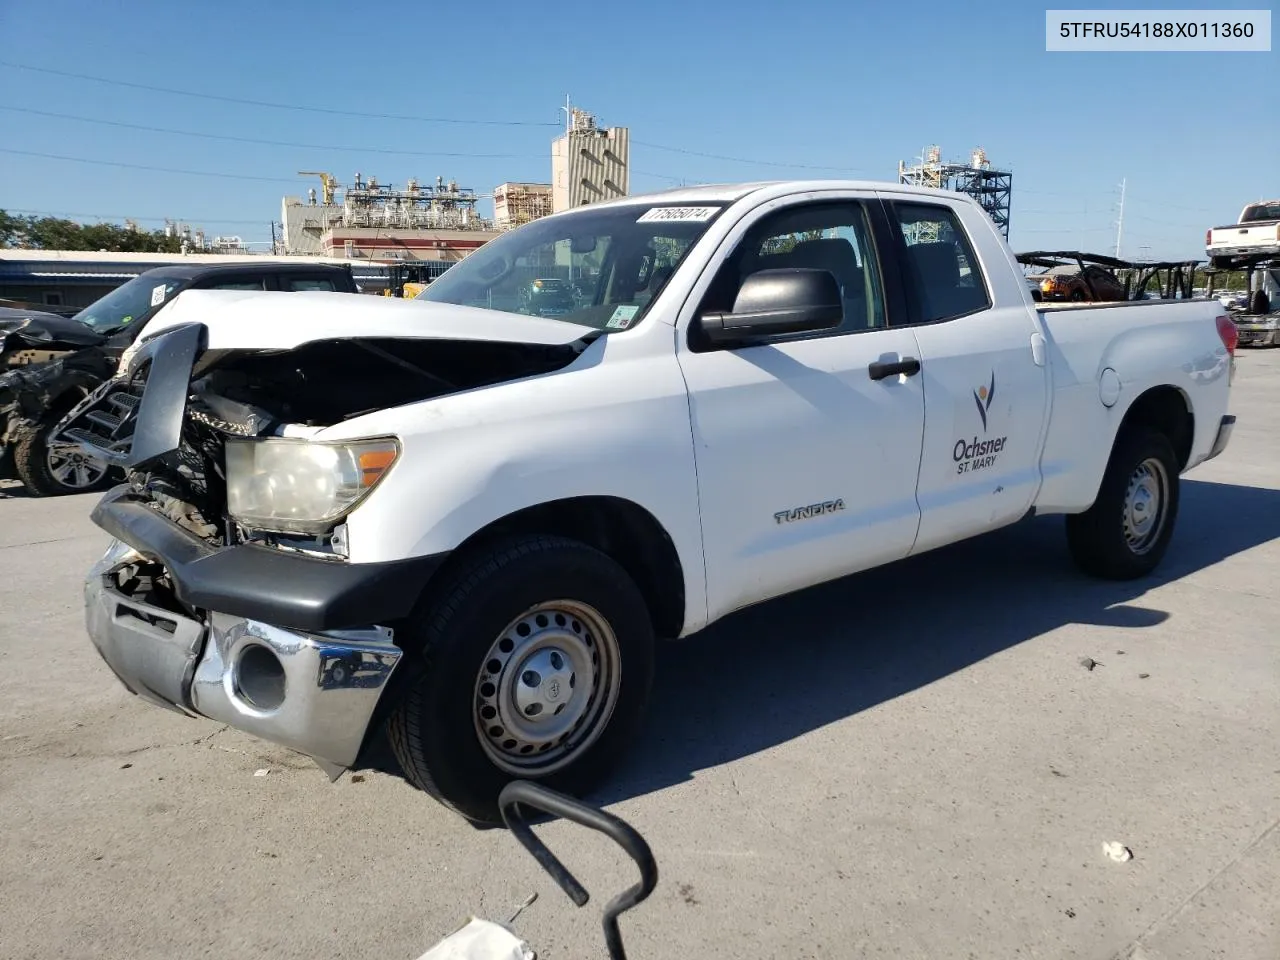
55	233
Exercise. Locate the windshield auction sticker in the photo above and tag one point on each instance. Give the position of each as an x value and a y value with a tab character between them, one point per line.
621	318
157	295
685	214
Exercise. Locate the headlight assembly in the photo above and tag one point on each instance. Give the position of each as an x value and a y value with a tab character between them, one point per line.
301	486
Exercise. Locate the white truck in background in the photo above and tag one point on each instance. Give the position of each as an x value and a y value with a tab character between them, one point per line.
1256	233
472	523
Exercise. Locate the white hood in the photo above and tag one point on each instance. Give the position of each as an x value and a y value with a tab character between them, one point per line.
277	320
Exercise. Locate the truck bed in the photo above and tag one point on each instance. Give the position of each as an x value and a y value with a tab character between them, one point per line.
1141	342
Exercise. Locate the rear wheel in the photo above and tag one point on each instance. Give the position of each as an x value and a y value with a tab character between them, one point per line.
1125	533
49	469
536	663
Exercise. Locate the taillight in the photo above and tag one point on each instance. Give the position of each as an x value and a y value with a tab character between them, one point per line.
1208	238
1229	334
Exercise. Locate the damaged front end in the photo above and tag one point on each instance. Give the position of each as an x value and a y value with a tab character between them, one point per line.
262	625
35	382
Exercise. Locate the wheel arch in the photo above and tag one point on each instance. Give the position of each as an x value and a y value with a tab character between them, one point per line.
1167	409
622	529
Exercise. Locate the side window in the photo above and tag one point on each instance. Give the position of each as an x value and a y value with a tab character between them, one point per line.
824	236
297	284
942	271
259	284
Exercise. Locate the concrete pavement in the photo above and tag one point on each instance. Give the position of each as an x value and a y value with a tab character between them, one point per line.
907	763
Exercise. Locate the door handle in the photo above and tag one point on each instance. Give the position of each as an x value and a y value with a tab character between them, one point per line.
907	365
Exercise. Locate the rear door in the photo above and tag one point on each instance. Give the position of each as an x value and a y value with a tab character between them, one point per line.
984	375
806	459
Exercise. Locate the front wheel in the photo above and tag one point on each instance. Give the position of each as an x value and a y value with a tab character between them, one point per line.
48	468
536	660
1125	533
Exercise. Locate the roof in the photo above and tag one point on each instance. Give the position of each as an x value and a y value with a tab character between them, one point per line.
207	269
103	257
730	192
21	266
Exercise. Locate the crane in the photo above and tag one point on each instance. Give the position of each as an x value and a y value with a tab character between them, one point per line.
328	183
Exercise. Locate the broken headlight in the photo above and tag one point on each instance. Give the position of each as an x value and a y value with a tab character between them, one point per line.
301	486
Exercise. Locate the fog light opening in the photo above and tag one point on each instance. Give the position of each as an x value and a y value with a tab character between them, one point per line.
259	678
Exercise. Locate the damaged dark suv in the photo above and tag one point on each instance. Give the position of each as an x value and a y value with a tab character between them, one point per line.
48	363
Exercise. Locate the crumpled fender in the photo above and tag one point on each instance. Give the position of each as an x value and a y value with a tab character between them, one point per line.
28	393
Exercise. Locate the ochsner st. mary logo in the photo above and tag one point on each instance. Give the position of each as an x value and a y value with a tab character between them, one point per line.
975	454
982	397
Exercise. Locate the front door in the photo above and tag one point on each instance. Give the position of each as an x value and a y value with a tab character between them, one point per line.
985	395
806	464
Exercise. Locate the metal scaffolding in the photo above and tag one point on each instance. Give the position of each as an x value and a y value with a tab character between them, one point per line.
993	189
368	203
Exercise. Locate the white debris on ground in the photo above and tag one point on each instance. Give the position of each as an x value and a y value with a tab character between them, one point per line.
480	940
1117	851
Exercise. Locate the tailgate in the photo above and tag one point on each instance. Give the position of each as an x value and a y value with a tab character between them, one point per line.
1254	234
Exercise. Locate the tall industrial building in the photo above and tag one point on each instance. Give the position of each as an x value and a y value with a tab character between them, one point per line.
589	163
993	189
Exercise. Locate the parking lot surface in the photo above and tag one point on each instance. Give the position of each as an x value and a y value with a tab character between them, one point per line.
907	763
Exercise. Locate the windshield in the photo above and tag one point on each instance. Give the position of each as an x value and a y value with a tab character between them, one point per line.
599	268
128	302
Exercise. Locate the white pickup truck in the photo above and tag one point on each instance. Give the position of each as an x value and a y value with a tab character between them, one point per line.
1255	235
473	523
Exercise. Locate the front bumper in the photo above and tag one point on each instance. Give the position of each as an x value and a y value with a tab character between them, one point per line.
287	647
262	583
313	692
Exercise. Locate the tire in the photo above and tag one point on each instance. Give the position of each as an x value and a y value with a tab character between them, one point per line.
1260	303
1077	296
533	608
41	474
1111	540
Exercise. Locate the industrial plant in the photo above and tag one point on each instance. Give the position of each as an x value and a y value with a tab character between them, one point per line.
372	220
993	189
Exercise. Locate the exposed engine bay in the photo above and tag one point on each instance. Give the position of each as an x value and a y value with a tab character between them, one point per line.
324	383
252	393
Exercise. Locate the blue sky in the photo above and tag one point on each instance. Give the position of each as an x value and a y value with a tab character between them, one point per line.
853	87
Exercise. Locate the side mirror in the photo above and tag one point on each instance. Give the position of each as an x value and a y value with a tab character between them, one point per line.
777	302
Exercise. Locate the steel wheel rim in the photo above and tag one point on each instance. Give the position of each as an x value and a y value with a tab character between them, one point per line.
71	467
1145	502
547	687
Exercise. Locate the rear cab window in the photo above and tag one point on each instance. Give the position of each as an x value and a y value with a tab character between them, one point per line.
303	284
1260	212
943	277
235	283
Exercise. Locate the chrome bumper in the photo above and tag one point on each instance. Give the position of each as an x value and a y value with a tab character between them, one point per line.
311	692
1260	332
